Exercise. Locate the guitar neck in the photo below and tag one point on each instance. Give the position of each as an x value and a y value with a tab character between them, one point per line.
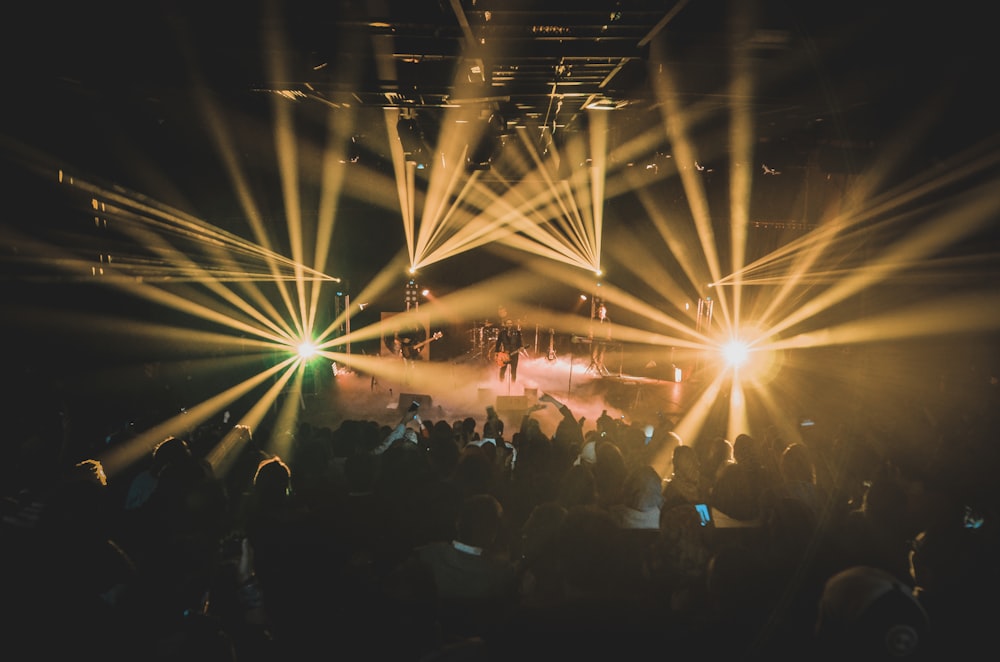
426	342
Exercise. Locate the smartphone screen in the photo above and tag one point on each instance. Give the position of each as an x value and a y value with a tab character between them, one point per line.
704	512
972	519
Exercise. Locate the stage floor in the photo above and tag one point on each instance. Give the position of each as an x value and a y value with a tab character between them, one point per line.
455	390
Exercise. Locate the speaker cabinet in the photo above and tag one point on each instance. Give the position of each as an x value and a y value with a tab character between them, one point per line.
512	405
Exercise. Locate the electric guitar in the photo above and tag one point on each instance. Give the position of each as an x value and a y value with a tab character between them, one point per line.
552	349
502	358
413	351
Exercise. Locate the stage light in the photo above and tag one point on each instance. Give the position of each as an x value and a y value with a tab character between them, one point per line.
735	353
481	155
411	136
353	152
306	350
410	297
606	103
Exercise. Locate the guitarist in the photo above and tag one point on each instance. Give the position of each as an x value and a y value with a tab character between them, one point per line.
601	340
508	349
406	343
408	347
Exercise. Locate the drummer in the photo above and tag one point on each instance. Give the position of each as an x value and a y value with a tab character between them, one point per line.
502	316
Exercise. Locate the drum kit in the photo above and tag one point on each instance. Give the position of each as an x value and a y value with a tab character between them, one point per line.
483	340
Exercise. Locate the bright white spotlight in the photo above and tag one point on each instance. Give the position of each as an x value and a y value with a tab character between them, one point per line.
307	350
735	353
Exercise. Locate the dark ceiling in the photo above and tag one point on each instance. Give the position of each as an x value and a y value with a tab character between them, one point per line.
831	72
119	89
850	68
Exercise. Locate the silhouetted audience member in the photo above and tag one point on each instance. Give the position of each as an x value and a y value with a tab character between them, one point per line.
797	473
878	533
714	453
588	452
590	555
67	579
538	568
176	544
569	430
143	484
956	580
677	564
577	487
595	615
365	520
865	614
609	473
684	486
289	555
742	601
534	479
423	541
741	484
642	498
493	426
474	578
476	471
469	431
436	503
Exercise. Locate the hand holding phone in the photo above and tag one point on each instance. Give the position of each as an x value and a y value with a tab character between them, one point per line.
704	512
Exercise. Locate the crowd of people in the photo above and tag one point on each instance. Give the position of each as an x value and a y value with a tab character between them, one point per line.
437	540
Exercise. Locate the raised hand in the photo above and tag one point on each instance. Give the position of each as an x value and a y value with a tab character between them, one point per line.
545	397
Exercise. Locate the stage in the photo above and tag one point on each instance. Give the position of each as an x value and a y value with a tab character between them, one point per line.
452	390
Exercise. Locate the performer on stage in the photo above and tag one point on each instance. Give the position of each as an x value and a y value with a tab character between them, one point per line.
407	343
508	349
502	315
601	338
